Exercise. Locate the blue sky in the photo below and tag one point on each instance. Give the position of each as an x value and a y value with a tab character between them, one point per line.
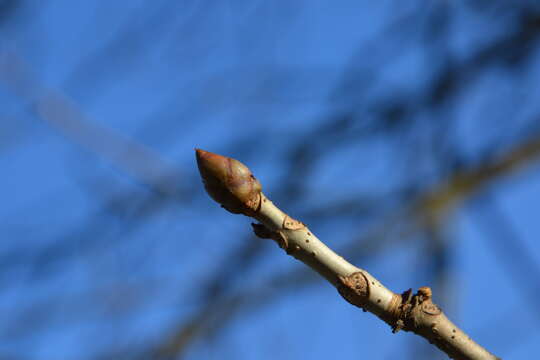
103	103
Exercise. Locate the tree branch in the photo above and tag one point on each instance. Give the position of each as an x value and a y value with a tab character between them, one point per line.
231	184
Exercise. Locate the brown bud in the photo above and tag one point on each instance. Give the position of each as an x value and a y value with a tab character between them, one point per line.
229	182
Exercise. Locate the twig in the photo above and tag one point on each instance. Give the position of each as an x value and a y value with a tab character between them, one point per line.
231	184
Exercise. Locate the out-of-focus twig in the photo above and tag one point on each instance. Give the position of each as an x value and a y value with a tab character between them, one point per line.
508	247
449	194
141	162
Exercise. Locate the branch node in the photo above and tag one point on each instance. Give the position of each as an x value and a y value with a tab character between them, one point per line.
400	309
264	233
407	315
355	289
261	231
292	224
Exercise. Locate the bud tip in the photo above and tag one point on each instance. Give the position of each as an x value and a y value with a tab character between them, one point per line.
229	182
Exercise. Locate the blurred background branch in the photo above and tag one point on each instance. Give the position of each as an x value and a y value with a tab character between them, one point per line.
426	113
